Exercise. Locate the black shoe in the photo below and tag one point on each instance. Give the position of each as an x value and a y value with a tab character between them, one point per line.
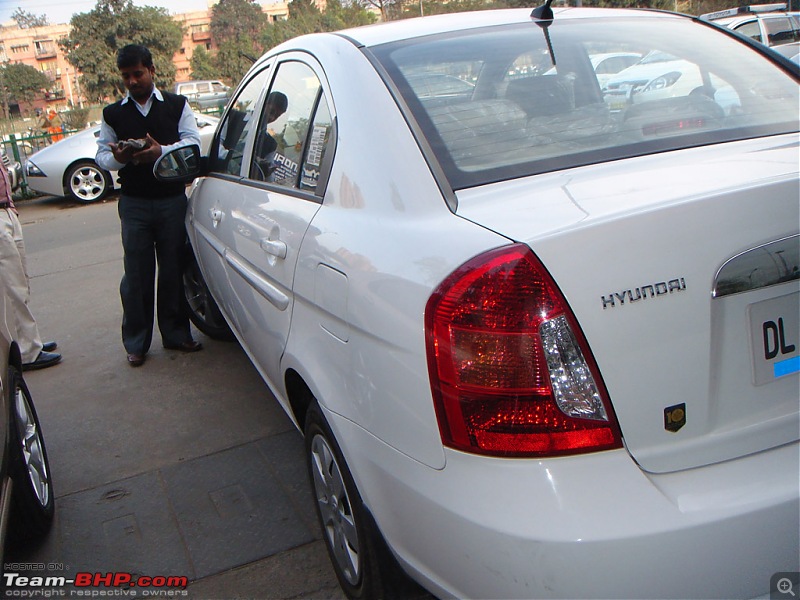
190	346
135	360
49	346
44	360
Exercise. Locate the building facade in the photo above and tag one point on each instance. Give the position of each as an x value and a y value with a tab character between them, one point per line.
38	47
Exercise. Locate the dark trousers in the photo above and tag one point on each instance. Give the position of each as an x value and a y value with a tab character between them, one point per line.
153	230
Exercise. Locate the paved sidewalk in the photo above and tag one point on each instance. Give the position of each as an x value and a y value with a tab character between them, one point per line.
186	466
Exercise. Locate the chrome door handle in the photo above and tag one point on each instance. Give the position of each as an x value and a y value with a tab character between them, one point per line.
274	247
216	215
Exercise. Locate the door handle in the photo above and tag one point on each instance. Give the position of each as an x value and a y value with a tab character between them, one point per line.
216	215
274	247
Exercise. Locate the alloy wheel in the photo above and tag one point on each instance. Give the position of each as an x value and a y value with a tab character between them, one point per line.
335	509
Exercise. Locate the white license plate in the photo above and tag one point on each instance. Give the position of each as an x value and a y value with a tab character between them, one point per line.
775	338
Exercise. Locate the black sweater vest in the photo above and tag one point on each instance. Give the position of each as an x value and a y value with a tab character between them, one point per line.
162	125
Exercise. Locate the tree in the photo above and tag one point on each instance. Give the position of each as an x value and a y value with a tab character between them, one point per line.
389	9
27	20
202	64
305	17
92	44
236	26
21	82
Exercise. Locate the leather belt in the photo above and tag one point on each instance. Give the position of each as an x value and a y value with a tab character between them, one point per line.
5	205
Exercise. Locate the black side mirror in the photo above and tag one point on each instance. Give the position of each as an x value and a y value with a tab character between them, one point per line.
179	166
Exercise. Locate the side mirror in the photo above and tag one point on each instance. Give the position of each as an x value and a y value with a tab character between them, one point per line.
178	166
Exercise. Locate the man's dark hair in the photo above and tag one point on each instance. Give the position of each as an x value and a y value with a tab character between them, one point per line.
132	55
278	100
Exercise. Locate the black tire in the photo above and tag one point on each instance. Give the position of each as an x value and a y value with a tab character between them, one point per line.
86	182
33	500
200	305
363	563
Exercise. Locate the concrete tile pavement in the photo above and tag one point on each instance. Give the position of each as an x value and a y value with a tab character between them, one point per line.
186	466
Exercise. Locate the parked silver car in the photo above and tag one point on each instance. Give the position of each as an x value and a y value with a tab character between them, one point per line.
771	24
204	94
68	167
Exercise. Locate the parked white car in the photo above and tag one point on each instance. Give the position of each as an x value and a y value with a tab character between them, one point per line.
68	167
537	348
769	24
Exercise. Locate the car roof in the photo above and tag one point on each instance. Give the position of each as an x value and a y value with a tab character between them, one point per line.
741	14
392	31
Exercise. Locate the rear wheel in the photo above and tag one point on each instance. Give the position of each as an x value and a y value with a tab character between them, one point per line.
200	305
33	500
364	565
86	182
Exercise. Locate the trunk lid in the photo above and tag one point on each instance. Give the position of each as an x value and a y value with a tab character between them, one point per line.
682	270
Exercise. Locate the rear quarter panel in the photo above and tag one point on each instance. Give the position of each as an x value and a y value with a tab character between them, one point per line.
381	242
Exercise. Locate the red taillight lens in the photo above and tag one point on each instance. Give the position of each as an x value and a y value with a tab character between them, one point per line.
510	371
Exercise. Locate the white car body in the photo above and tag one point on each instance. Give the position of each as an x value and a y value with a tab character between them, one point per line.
669	261
648	81
68	167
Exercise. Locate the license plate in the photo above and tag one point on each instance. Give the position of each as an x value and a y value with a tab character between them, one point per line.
775	338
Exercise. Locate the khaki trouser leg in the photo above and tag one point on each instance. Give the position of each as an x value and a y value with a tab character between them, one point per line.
13	269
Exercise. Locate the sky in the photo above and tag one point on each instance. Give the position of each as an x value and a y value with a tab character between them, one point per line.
61	11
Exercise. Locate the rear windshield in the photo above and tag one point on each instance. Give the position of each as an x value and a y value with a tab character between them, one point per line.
497	103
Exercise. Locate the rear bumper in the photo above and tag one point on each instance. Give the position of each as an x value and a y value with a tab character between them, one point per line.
594	526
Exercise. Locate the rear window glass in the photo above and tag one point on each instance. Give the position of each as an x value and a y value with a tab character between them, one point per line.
502	102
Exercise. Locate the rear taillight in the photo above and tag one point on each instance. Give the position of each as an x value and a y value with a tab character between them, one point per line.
511	372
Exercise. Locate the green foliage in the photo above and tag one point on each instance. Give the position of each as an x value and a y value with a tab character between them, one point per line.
22	82
236	26
96	36
305	17
76	118
202	64
27	20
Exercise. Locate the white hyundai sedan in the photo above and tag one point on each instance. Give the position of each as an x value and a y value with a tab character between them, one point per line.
538	348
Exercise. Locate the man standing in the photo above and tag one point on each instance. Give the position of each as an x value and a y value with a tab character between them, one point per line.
13	269
152	213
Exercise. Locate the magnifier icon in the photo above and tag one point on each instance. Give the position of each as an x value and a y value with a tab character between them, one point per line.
785	586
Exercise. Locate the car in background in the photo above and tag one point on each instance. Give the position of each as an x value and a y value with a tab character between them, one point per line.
27	502
659	76
68	167
13	167
769	24
204	95
535	345
790	51
610	63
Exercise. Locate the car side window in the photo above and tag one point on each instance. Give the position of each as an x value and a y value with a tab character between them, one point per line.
319	145
287	143
750	29
779	30
228	149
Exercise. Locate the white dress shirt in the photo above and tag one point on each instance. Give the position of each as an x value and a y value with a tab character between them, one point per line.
187	130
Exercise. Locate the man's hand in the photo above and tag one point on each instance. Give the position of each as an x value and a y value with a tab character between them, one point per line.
149	154
122	152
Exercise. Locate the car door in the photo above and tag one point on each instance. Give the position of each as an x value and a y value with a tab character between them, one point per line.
215	198
287	159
